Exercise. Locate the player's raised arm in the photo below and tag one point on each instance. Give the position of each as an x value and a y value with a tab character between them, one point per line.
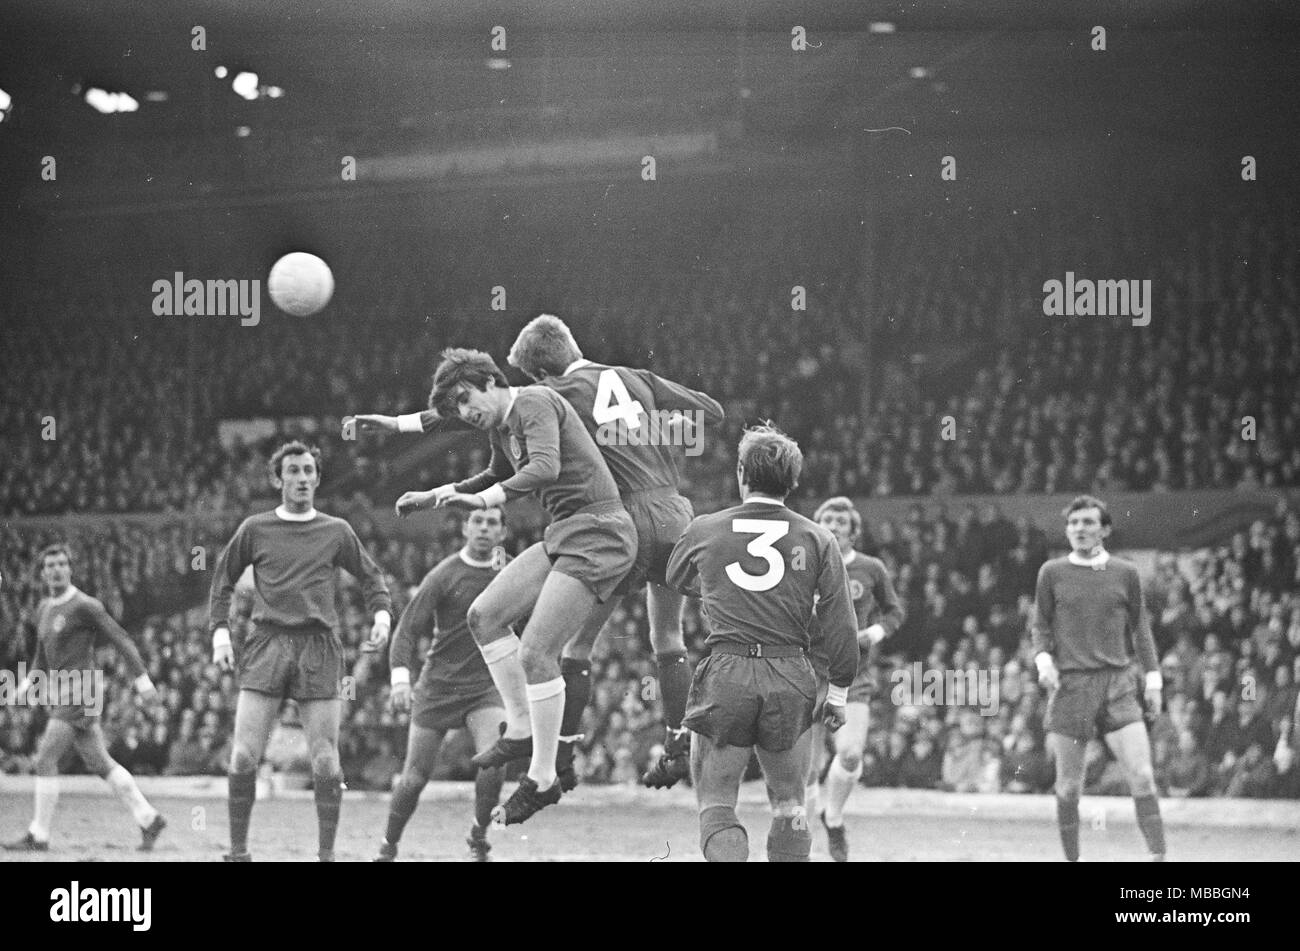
421	422
674	396
237	555
121	641
353	558
839	624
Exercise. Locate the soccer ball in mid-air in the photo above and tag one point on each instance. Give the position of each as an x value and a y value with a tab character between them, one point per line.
300	284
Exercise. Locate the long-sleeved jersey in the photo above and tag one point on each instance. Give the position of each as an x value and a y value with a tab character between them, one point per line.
759	567
625	410
295	571
1092	617
71	626
874	602
440	605
543	447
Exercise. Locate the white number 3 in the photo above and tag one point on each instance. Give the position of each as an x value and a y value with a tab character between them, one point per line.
768	530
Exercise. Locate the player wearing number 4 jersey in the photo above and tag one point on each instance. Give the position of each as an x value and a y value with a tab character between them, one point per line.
639	421
759	567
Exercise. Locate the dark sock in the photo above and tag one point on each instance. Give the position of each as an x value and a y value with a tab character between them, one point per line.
722	837
329	795
1153	829
487	793
405	798
674	684
789	839
577	691
1067	819
242	788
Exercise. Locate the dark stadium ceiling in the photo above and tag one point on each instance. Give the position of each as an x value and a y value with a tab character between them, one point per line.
996	64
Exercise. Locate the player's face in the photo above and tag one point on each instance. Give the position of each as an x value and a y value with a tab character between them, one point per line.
480	408
483	532
1084	530
56	572
839	524
298	480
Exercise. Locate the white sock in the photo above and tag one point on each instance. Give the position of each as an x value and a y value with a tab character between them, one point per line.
47	797
812	798
839	783
502	658
546	707
128	793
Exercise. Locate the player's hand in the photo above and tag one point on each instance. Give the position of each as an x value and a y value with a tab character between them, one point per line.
833	716
1049	678
465	501
372	422
872	635
378	637
223	652
413	502
399	698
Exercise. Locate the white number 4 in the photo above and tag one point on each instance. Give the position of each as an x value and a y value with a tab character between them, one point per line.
613	401
768	530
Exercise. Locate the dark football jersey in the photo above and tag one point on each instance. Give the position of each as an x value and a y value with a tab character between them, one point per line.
759	568
874	602
70	627
626	411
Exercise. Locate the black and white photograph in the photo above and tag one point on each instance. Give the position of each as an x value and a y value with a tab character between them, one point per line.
600	431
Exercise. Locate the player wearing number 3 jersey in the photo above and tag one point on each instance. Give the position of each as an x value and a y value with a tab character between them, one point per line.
758	568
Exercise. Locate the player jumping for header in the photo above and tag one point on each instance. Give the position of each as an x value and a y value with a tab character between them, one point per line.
538	445
69	626
758	567
1088	612
294	649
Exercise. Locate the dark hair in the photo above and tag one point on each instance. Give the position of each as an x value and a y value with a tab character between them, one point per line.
841	503
491	508
1089	502
295	447
49	551
545	347
772	460
461	366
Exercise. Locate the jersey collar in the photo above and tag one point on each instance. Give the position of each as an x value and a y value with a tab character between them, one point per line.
514	395
65	597
474	562
851	557
753	497
1096	561
580	362
285	515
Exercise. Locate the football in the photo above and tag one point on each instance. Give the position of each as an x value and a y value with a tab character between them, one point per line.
300	284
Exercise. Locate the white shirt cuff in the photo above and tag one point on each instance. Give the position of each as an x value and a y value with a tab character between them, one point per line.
1154	680
143	683
837	696
220	638
409	423
400	676
1042	660
383	617
493	497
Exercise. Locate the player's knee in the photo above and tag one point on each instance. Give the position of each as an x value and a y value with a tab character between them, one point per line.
45	764
242	760
416	776
667	641
722	837
1142	783
1068	789
538	665
475	620
849	759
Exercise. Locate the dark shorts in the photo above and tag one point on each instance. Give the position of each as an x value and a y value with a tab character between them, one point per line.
752	701
1094	701
444	707
596	545
660	517
303	664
